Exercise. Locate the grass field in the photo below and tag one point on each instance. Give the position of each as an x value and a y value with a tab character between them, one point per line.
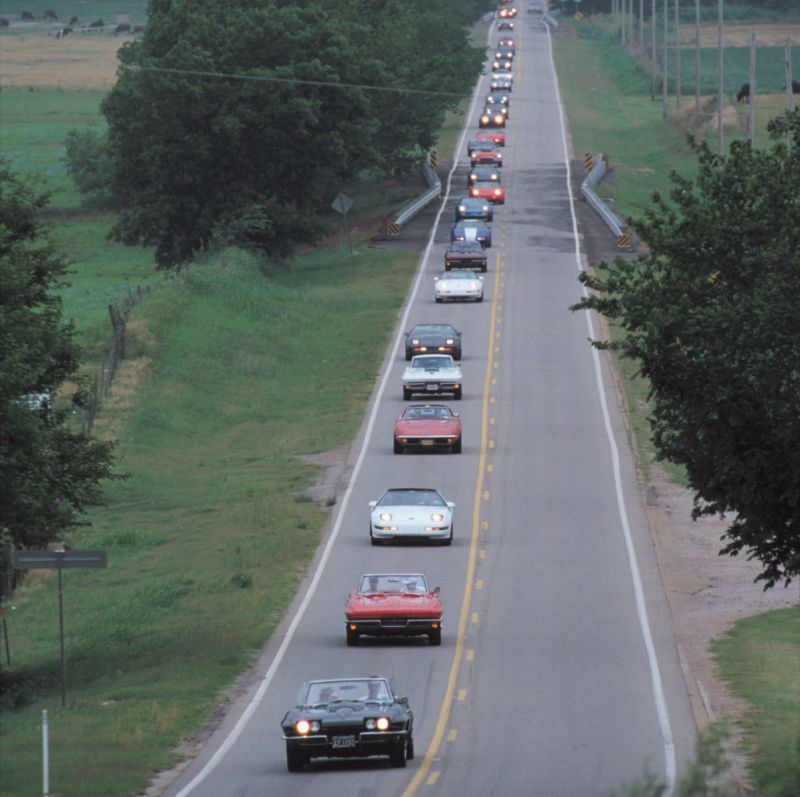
760	657
213	523
85	10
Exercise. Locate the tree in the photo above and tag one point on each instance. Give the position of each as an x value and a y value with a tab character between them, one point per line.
49	473
258	158
710	313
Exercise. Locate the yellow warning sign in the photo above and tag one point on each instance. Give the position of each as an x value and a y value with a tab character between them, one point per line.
393	230
588	161
433	158
578	16
623	241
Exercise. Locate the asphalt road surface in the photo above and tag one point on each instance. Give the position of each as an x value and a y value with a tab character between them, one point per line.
558	673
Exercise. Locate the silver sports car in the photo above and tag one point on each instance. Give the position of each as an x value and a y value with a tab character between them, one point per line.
458	284
432	375
411	512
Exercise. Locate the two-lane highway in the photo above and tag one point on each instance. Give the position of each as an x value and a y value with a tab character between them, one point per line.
558	673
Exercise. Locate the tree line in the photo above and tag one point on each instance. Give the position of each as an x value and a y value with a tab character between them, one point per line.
238	120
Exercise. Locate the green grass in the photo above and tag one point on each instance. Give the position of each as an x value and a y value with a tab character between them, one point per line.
612	105
760	660
250	367
86	10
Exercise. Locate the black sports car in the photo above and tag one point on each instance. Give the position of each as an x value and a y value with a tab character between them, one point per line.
348	718
433	339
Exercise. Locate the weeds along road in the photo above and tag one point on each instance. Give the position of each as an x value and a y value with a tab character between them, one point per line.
558	673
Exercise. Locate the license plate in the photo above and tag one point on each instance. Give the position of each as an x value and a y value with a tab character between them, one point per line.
426	442
433	388
343	741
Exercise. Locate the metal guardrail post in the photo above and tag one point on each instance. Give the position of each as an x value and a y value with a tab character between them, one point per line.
612	221
407	212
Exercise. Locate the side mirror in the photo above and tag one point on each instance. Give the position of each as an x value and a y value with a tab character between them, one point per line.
403	701
436	590
451	505
373	504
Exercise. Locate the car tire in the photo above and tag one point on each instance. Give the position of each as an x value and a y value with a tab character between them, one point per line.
435	638
295	759
398	449
373	540
449	540
438	300
457	354
457	394
410	747
457	447
484	269
407	394
479	299
398	755
352	638
409	355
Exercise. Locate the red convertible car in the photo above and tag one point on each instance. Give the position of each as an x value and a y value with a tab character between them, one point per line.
496	136
394	604
494	192
429	426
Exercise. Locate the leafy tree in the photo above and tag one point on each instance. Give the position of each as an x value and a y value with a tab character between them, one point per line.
195	154
710	313
48	473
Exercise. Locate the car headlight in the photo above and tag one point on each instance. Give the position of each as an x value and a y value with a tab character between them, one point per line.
385	516
370	724
437	517
473	286
303	727
449	341
382	723
415	341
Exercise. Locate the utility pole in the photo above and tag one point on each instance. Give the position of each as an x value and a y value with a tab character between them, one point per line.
653	26
641	26
720	76
623	26
664	48
787	67
751	111
678	99
696	61
631	18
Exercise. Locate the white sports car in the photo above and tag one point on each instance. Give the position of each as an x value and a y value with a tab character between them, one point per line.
460	283
411	512
432	375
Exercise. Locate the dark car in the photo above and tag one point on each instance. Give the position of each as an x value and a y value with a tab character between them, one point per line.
506	41
433	339
469	208
492	119
483	174
502	64
465	255
501	83
348	718
505	24
502	97
495	106
472	230
504	54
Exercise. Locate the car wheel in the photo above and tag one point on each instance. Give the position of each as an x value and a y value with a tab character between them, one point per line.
435	637
410	748
295	759
479	299
457	354
352	638
439	300
373	540
483	269
398	756
449	540
457	447
457	394
398	449
408	356
407	394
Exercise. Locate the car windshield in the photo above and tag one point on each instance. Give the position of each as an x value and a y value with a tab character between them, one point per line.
460	275
393	585
362	690
432	363
432	329
427	414
411	498
466	247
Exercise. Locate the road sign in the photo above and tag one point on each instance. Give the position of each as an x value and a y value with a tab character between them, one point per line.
61	561
342	203
58	560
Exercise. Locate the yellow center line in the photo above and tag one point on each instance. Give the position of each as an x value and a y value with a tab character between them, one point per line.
458	653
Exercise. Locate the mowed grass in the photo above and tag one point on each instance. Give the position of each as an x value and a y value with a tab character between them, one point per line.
760	660
238	369
607	101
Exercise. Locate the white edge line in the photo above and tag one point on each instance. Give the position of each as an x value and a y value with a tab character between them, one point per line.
239	727
641	607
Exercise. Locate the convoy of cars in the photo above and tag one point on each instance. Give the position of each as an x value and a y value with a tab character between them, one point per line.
362	717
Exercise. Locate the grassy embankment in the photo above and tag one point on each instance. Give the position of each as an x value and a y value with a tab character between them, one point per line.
234	372
610	111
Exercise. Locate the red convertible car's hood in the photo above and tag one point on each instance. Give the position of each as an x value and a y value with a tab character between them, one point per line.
432	427
361	606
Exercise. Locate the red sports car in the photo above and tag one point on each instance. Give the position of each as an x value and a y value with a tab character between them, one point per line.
494	192
394	604
486	157
497	136
428	426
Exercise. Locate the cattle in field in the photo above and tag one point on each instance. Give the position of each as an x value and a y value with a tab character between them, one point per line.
795	87
123	28
744	93
4	23
73	21
62	32
98	23
50	15
28	16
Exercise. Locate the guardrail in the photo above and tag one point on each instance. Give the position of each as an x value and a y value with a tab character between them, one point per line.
550	19
407	212
612	221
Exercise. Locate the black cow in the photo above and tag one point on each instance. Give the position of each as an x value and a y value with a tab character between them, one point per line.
4	23
795	87
122	28
28	16
62	32
50	15
73	21
98	23
744	93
